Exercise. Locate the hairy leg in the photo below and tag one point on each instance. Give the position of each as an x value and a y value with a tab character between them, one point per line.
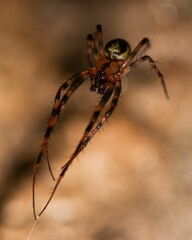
92	52
99	34
154	67
82	142
52	121
142	43
108	113
70	86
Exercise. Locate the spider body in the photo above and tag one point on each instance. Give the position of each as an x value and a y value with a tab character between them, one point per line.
107	65
116	51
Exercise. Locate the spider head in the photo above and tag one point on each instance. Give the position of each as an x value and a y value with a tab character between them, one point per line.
117	49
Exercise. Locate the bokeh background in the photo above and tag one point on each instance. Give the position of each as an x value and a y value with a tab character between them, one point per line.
134	181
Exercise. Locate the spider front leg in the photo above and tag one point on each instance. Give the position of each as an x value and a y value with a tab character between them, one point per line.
83	142
70	86
92	52
153	65
100	39
142	43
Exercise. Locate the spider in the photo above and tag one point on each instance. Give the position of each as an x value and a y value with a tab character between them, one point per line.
107	65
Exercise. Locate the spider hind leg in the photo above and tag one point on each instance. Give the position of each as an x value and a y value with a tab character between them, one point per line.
85	138
69	87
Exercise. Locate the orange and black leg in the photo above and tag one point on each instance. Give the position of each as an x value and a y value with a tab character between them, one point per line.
141	44
99	34
70	86
82	144
108	113
154	67
92	51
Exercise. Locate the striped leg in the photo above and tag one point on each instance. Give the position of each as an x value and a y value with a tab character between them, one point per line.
51	123
82	144
70	86
100	39
142	43
92	52
152	63
108	113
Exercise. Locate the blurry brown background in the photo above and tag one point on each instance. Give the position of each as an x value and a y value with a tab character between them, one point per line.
134	181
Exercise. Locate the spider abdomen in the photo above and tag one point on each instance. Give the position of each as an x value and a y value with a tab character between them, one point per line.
101	76
99	82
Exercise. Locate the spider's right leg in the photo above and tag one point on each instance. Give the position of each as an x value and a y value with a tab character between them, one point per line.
70	86
108	113
81	144
52	121
100	39
92	52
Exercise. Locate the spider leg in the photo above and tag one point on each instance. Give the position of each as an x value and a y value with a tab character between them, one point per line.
70	86
47	134
92	52
153	65
82	144
48	163
108	113
99	33
43	151
142	43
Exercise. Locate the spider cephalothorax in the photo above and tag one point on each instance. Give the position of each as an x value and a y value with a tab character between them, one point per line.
107	65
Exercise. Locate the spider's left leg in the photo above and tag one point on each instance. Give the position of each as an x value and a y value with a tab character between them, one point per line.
89	134
142	43
82	144
153	65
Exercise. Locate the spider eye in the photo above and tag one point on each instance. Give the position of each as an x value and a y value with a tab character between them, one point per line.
117	49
